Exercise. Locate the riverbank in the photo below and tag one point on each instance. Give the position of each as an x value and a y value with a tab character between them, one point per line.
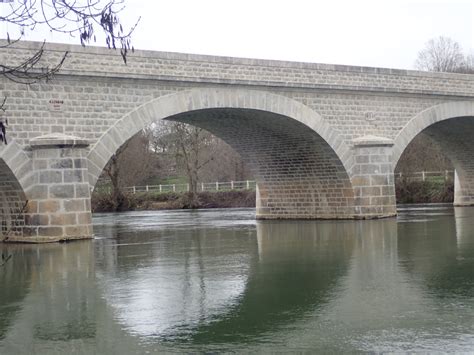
424	191
171	201
406	191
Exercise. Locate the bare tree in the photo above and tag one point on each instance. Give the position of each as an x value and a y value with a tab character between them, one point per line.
227	165
441	54
192	148
78	18
132	163
423	154
197	154
468	66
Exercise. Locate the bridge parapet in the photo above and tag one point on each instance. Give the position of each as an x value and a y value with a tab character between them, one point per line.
179	67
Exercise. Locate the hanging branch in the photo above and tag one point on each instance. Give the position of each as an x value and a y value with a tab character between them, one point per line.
27	72
78	18
73	17
4	123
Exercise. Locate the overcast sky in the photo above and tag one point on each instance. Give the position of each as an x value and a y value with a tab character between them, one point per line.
382	33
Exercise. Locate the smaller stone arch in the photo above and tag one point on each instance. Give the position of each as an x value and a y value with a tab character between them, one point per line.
451	125
427	118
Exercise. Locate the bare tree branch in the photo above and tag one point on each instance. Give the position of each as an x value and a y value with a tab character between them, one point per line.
77	18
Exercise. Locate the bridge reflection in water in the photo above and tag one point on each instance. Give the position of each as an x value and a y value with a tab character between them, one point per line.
215	281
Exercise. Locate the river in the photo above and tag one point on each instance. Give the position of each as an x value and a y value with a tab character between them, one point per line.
219	281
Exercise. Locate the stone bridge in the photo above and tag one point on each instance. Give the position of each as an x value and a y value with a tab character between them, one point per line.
321	140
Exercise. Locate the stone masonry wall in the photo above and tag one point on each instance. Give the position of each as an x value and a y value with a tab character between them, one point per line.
96	89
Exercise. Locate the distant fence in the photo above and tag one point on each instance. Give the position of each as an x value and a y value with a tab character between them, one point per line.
426	175
204	186
251	184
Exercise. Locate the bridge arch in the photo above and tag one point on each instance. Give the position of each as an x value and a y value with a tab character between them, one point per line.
299	161
451	125
15	179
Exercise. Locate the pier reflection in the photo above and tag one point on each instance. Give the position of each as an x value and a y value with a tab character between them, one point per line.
55	290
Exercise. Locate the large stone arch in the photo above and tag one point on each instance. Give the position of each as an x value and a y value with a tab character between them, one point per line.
300	162
15	178
427	118
451	125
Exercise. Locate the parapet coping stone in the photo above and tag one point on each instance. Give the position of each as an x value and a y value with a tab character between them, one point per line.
58	140
372	141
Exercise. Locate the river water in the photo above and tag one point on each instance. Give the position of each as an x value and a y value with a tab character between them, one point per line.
217	280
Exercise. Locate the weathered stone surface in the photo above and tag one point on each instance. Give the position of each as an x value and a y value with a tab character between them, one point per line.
61	191
47	206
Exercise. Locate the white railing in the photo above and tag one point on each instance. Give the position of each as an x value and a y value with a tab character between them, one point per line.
251	184
204	186
426	175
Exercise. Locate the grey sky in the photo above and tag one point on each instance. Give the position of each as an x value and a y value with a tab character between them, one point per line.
382	33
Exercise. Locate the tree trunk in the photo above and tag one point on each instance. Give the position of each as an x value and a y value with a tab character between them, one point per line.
117	196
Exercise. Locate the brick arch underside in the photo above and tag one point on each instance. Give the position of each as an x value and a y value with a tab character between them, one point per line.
455	137
12	204
298	174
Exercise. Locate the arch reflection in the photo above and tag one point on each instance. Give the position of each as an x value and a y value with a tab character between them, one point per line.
299	264
172	280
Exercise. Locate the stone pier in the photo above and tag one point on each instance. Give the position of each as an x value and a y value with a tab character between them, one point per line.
58	205
373	178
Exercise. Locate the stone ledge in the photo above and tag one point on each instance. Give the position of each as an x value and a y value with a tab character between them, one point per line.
372	141
44	239
58	140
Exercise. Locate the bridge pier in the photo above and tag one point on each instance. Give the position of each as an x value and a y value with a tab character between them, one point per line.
372	178
58	205
463	188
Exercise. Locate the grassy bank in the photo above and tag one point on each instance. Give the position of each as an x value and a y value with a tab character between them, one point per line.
102	202
435	191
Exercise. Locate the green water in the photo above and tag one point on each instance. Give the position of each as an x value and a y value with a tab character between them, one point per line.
218	281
